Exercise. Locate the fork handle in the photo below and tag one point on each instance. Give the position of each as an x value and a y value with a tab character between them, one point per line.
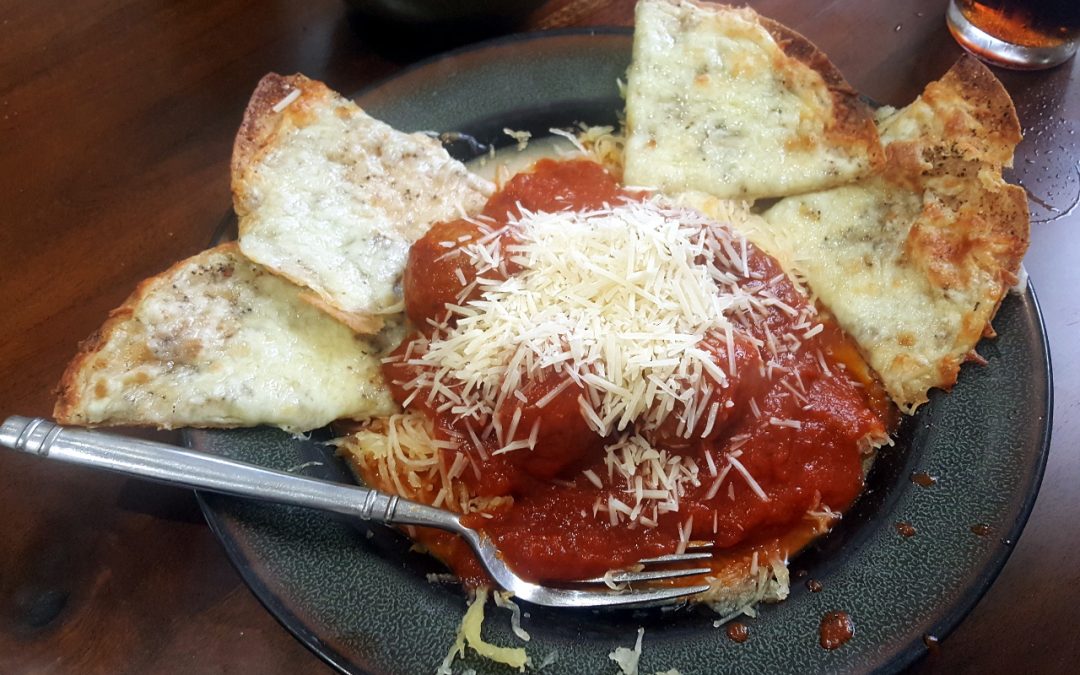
187	468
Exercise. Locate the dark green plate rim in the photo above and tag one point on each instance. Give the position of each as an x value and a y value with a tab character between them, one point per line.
993	430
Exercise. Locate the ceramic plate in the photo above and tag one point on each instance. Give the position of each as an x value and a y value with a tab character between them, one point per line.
363	602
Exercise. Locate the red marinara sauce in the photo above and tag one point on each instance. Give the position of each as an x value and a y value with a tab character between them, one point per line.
551	531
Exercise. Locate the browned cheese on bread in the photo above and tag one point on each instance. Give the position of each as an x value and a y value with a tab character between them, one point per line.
331	198
218	341
723	101
914	262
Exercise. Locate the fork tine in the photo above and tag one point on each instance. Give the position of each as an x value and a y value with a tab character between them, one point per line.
652	575
695	550
662	594
562	597
675	557
566	597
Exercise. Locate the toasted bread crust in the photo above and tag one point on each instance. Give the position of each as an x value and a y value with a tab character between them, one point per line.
962	167
987	102
261	121
70	402
988	238
853	123
361	322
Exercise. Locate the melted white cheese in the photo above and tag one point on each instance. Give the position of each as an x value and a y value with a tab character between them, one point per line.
337	198
219	341
710	109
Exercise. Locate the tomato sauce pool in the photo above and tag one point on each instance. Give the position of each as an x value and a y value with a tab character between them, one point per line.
796	451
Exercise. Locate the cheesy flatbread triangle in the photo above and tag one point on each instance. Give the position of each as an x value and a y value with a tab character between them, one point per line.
332	198
723	101
217	341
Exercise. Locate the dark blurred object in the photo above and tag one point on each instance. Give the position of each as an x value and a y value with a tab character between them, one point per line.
430	12
406	30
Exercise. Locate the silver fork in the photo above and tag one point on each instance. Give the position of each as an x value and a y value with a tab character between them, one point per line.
187	468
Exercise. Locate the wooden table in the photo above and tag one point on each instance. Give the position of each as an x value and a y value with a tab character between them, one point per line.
116	123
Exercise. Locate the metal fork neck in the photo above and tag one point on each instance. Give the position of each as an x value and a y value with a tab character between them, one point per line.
188	468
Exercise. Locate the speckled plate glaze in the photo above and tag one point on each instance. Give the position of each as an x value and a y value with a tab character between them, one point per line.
360	600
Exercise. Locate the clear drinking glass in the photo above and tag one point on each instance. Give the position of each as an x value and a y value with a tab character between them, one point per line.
1021	34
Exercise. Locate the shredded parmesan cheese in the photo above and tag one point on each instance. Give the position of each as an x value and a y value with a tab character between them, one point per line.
653	480
503	600
413	464
615	300
627	659
605	145
521	137
469	635
284	103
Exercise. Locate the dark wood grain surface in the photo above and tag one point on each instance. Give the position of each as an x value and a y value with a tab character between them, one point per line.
116	122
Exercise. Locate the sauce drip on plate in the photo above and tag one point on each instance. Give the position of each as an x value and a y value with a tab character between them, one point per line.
737	632
905	529
923	479
835	630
